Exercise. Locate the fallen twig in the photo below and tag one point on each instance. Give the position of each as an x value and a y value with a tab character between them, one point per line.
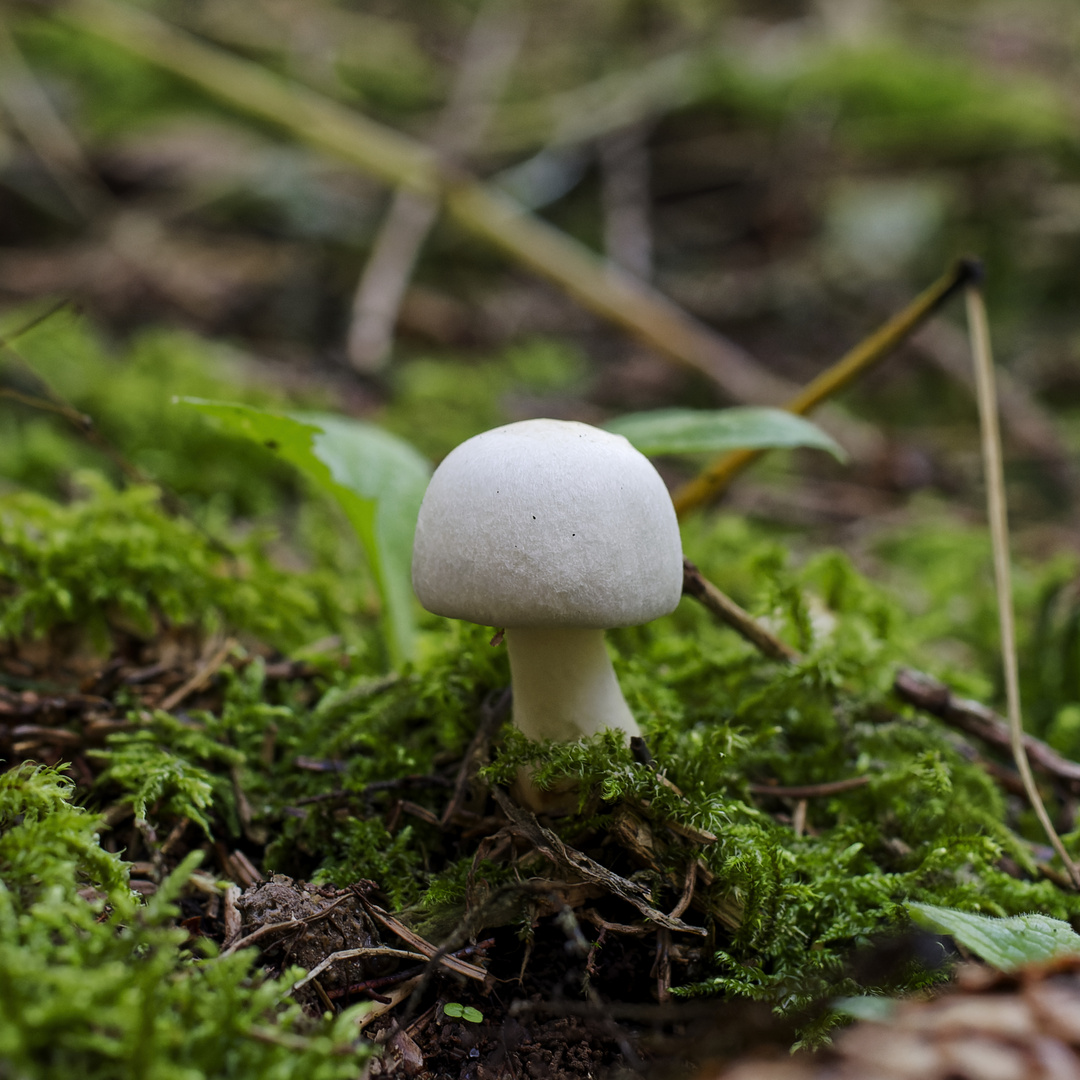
524	823
351	954
492	714
916	687
280	929
725	609
201	677
490	50
410	973
717	475
810	791
933	696
396	926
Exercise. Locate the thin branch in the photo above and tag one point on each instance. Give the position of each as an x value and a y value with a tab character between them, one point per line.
492	714
352	954
916	687
811	791
727	611
433	954
33	322
490	50
523	823
205	672
279	929
718	475
933	696
402	162
979	328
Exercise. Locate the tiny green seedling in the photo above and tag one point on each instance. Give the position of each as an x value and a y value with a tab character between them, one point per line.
458	1011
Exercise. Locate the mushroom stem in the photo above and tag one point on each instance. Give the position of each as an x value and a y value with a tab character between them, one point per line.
564	685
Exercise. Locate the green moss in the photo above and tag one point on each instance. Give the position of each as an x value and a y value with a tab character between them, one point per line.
927	824
114	560
114	991
128	394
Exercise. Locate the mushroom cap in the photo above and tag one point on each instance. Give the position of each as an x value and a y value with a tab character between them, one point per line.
547	523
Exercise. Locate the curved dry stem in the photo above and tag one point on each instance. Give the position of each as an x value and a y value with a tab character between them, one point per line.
986	393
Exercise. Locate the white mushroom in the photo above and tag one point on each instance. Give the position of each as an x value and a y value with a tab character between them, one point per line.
555	531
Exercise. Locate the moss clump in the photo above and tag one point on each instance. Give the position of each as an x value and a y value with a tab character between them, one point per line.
108	987
113	561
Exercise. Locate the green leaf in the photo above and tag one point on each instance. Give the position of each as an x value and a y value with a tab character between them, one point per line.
1003	943
377	478
696	431
457	1011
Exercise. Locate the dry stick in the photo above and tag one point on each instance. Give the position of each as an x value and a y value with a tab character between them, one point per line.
715	477
932	696
33	322
916	687
490	50
810	791
201	677
979	329
403	162
726	610
352	954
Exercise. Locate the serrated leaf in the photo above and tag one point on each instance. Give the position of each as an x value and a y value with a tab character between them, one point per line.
377	478
695	431
1003	943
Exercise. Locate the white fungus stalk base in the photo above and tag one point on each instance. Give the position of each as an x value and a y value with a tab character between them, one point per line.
564	689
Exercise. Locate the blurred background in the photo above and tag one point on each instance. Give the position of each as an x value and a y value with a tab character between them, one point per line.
786	172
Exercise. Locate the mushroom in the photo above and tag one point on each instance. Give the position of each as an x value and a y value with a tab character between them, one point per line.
554	531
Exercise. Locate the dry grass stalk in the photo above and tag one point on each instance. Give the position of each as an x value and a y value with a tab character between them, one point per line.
986	393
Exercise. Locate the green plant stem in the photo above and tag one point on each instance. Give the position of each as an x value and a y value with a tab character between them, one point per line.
407	164
979	329
717	476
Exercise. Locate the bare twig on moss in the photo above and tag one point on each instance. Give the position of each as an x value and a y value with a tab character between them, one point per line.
916	687
410	973
280	929
492	714
352	954
396	926
932	696
202	676
810	791
575	862
402	162
979	328
726	610
718	475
